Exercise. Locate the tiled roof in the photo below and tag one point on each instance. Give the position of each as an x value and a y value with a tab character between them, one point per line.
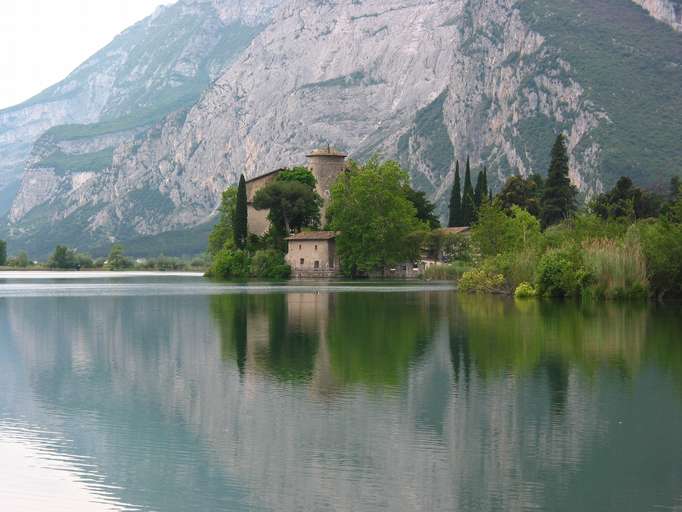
455	231
313	235
263	175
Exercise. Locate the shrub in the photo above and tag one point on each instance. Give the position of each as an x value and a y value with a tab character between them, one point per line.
525	291
230	263
481	281
20	261
558	275
662	244
270	264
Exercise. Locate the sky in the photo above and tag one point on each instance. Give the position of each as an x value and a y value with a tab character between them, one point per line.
42	41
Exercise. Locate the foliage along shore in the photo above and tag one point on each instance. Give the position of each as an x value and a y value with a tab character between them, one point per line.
531	240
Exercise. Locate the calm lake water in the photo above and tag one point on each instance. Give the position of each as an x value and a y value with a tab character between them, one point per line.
149	393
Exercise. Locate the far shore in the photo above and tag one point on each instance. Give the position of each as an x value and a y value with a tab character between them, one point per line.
37	273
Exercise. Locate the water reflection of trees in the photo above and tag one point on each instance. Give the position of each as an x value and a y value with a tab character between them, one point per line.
526	337
339	339
258	330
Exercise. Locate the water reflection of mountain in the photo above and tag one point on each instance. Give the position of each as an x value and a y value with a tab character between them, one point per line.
353	401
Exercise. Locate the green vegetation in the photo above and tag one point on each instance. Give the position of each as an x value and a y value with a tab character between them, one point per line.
116	259
559	195
375	219
293	205
426	210
62	162
525	291
618	52
583	256
239	264
626	201
524	193
240	228
3	253
223	231
455	206
64	258
468	198
481	192
20	261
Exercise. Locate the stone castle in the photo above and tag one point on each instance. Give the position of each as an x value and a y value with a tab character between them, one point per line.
326	165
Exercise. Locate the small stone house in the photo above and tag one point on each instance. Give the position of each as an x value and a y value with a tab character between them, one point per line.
313	254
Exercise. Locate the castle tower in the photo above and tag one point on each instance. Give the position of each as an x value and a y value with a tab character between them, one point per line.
326	164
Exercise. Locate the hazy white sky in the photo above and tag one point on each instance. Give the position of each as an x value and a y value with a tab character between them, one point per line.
42	41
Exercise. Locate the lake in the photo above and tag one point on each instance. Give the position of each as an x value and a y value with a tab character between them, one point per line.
172	393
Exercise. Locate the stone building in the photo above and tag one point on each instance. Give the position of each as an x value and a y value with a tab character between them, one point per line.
326	165
313	254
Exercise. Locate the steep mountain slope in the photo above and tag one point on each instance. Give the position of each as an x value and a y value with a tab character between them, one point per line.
667	11
155	67
426	82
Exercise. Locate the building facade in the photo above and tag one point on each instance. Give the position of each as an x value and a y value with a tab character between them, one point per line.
325	164
313	254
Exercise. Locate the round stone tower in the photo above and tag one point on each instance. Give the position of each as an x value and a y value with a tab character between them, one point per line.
326	164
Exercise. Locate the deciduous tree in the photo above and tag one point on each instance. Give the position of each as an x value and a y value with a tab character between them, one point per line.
223	231
374	217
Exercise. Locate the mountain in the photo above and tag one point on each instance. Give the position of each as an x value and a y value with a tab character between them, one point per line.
157	66
422	81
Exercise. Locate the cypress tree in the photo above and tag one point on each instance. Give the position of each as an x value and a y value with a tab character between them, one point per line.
468	199
481	192
456	200
241	230
478	193
559	197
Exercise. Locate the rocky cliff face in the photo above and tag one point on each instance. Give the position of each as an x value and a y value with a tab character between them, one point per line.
667	11
157	66
426	82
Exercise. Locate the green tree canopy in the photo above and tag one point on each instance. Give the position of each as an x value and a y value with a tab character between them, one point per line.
3	253
375	219
455	218
559	197
117	259
521	192
240	226
426	210
63	258
223	231
292	204
626	201
299	174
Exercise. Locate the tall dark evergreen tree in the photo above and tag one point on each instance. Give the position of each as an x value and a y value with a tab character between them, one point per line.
455	219
481	193
241	230
468	199
559	197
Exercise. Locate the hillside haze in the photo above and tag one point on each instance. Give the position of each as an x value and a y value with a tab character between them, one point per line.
140	141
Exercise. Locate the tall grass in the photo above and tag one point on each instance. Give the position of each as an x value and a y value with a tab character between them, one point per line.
617	269
448	272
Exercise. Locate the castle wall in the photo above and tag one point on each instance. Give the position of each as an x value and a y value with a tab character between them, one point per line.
258	223
326	169
326	165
